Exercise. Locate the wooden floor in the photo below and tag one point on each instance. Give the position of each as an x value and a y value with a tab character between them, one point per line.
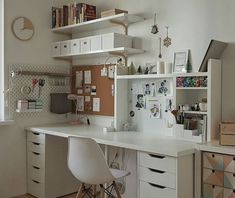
29	196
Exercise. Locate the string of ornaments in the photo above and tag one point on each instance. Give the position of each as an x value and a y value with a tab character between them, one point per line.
167	41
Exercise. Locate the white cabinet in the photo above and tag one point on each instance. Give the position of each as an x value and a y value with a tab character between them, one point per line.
47	156
65	48
85	45
115	40
162	176
75	46
96	43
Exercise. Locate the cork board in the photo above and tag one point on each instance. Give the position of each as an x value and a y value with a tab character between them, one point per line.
103	90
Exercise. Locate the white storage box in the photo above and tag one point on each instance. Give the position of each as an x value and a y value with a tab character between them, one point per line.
96	43
85	45
55	49
65	47
115	40
22	105
75	46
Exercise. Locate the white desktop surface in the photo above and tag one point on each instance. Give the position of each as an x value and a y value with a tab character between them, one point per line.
130	140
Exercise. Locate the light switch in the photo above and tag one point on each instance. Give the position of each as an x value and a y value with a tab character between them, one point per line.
96	104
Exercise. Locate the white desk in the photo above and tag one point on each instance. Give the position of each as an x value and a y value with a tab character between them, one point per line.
173	158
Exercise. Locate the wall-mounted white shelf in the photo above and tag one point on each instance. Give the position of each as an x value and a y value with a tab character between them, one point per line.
196	112
197	74
28	110
118	51
192	88
101	23
144	76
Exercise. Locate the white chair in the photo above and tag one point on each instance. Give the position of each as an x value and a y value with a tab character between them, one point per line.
87	163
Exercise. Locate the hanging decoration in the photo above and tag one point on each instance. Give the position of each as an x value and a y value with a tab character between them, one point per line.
167	41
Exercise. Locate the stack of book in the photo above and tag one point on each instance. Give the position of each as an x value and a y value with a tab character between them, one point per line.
72	14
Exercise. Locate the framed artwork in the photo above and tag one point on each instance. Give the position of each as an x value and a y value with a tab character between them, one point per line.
180	61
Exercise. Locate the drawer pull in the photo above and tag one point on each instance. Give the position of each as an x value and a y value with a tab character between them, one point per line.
234	159
157	186
213	171
35	167
233	191
233	174
55	47
35	153
35	143
36	133
213	186
74	44
156	156
65	46
84	43
35	181
213	155
156	171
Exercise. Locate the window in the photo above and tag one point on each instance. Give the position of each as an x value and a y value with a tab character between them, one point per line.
1	59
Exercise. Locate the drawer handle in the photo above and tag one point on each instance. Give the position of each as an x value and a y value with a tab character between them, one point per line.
213	171
234	159
84	43
213	155
156	156
35	153
233	174
35	181
213	186
36	133
156	171
35	143
157	186
233	191
65	46
74	44
35	167
55	47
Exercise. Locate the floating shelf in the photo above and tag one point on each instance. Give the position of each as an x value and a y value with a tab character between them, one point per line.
119	51
144	76
192	88
28	110
197	74
101	23
196	112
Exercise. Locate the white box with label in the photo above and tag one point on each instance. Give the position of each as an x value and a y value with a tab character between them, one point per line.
96	43
55	49
75	46
65	47
115	40
85	45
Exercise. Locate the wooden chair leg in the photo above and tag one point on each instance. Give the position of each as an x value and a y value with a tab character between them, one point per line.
80	190
94	190
101	191
116	190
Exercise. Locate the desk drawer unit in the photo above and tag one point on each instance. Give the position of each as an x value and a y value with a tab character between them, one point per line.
150	190
35	188
163	176
218	175
35	173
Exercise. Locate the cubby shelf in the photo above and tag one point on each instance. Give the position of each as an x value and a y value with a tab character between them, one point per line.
101	23
196	112
28	110
144	76
192	88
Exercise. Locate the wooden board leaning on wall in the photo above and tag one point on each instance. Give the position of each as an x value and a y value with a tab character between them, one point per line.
103	89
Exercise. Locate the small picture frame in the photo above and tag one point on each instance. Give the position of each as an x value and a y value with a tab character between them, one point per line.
180	61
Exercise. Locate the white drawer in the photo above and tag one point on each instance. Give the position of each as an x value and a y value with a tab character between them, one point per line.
36	137
75	46
96	43
148	190
36	147
85	45
159	162
157	177
36	159
115	40
55	49
35	188
36	173
65	48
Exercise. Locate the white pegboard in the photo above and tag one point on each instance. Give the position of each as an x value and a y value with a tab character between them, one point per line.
16	83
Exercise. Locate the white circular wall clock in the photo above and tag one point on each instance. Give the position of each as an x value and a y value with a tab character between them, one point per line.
23	28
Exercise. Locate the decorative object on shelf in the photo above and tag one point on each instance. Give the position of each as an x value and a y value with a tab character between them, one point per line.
160	48
112	12
139	70
146	71
154	27
34	83
23	28
131	69
167	41
41	83
180	61
160	67
191	81
167	68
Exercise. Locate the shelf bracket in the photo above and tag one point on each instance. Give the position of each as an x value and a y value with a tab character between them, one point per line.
125	26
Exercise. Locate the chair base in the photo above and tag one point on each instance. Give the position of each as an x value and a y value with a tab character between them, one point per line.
91	191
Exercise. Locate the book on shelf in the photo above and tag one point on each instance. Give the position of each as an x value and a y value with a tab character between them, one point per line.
72	13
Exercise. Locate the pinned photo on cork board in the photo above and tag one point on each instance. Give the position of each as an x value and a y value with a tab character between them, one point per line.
87	89
80	103
154	107
140	103
79	79
150	89
93	90
163	87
